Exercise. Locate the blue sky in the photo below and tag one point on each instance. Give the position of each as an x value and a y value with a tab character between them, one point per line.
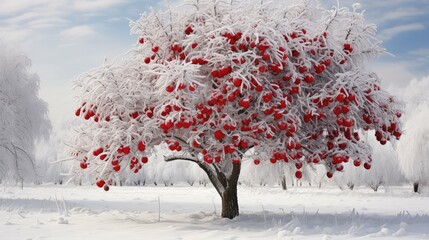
67	37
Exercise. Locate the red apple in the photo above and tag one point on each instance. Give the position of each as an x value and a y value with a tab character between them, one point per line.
237	82
98	151
83	165
103	156
126	150
336	159
117	168
219	135
100	183
188	30
144	159
340	97
170	88
356	163
309	79
244	103
367	166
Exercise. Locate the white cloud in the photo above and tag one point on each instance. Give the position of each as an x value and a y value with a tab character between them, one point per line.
13	35
23	19
28	16
393	75
400	13
371	4
384	13
388	33
393	3
423	52
77	32
10	8
95	5
22	22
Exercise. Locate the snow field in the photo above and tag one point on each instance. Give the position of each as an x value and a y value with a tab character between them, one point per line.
62	212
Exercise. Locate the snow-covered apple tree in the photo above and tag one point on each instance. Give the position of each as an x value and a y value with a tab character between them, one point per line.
23	118
220	78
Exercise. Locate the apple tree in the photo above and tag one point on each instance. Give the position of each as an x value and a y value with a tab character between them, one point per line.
216	79
23	118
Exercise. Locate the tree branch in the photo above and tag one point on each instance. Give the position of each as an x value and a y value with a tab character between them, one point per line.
213	175
175	158
236	168
220	176
220	188
306	149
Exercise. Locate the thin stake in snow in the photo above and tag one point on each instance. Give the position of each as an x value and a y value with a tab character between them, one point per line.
159	209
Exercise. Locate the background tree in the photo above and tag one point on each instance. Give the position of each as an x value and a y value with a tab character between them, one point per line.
224	78
413	151
384	170
23	118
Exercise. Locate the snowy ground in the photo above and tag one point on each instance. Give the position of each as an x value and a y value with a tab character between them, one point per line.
66	212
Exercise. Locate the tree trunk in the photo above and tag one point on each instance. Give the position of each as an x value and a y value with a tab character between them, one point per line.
225	184
230	202
229	195
416	187
283	182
